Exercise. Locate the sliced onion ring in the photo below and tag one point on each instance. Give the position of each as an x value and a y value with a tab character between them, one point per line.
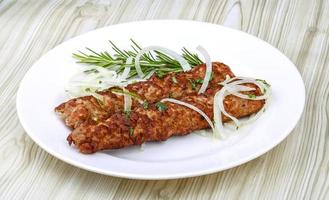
241	80
149	75
180	59
233	86
204	115
207	76
219	128
126	71
127	101
78	91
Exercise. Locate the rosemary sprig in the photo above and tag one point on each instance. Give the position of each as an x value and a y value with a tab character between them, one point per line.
158	62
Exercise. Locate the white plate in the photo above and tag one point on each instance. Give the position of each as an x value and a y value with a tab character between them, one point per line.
42	89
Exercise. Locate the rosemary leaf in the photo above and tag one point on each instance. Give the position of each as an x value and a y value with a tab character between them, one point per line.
157	61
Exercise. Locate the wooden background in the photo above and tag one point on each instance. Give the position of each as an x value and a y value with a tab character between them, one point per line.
298	168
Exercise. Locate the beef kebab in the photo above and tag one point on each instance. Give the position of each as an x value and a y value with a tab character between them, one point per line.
104	125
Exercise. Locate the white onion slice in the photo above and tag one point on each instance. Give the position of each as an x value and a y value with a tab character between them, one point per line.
219	128
127	101
83	84
126	71
242	80
179	58
222	108
83	91
227	80
103	77
241	88
149	75
143	146
191	107
243	96
233	86
207	76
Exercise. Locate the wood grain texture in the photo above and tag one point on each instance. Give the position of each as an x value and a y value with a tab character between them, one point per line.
298	168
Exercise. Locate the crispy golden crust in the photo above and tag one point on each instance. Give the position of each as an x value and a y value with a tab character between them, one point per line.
76	111
142	125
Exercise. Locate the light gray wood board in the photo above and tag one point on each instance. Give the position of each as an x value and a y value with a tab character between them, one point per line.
295	169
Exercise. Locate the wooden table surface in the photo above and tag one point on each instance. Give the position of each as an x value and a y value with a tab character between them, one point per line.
298	168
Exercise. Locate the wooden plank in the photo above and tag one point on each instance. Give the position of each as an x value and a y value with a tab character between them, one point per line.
295	169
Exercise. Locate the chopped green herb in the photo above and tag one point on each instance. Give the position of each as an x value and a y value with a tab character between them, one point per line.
125	92
170	95
252	96
193	84
127	113
161	106
264	82
145	105
160	74
100	82
174	80
199	81
88	90
89	71
131	131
